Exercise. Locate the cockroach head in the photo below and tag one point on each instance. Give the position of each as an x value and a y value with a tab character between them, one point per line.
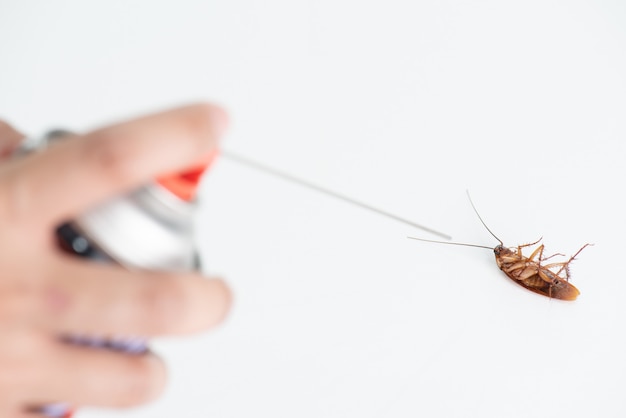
498	249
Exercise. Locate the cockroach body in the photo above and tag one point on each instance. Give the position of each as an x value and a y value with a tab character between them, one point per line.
551	280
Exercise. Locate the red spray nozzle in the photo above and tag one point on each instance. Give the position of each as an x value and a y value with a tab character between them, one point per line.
184	184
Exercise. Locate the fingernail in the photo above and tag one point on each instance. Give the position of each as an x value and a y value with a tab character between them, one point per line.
56	410
131	345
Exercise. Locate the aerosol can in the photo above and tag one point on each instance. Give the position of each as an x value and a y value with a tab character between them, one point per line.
149	228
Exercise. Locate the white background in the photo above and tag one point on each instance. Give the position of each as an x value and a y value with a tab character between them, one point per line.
401	104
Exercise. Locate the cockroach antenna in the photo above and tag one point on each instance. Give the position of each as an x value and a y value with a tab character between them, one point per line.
462	243
451	243
481	219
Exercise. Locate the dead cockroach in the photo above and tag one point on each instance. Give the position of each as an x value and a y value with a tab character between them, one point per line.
550	280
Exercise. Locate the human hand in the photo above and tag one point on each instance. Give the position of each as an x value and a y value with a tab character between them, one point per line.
45	293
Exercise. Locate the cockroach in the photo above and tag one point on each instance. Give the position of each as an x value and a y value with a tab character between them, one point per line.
551	280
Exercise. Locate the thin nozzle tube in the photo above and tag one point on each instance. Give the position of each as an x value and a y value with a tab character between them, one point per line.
269	170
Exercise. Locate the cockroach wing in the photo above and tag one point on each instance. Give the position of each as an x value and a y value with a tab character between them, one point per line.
563	290
557	289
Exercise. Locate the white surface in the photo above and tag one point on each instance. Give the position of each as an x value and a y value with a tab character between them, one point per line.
404	105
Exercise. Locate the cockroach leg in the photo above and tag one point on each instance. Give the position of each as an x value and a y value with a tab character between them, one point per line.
565	266
537	250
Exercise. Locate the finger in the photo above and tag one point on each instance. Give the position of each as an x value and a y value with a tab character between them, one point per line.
81	376
107	300
9	139
77	173
38	369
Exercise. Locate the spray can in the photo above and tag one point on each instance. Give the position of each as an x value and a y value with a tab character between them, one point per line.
150	228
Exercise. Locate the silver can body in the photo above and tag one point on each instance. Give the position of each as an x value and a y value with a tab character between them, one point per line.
150	228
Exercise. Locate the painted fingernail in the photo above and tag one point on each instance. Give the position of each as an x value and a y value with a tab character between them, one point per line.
130	345
56	410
